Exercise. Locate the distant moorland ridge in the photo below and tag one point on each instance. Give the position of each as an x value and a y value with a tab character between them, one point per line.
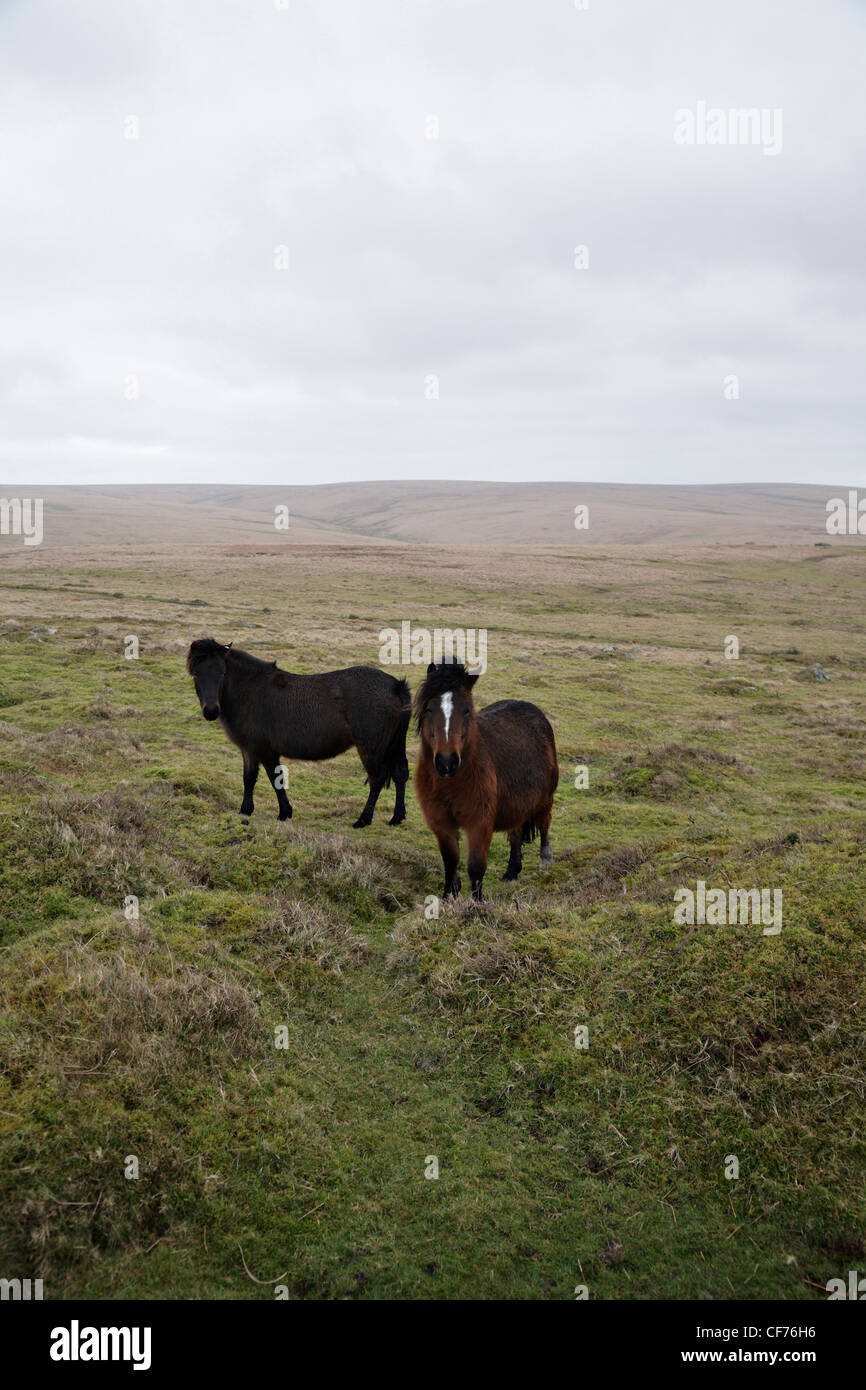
437	513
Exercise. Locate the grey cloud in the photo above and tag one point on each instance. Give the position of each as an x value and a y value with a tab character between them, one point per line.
408	257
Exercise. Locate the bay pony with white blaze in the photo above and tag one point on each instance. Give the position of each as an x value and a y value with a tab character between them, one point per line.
494	769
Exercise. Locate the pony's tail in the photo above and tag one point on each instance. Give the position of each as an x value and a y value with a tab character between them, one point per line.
394	758
530	830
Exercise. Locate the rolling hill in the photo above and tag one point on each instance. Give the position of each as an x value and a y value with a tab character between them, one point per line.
435	513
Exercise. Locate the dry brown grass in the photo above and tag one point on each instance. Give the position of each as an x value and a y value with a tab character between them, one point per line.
103	845
295	929
125	1010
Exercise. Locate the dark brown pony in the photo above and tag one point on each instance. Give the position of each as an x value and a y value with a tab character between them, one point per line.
494	770
271	713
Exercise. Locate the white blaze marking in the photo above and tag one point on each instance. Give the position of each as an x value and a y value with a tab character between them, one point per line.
447	709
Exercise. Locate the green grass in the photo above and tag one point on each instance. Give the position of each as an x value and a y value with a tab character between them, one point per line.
411	1036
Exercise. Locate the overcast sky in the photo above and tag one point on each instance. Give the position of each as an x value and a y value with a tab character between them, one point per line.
150	266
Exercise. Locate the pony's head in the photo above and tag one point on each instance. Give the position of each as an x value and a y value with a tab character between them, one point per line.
206	663
446	714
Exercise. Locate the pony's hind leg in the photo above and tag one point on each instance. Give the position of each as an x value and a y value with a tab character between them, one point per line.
396	763
376	785
545	855
277	777
401	777
379	772
515	858
251	772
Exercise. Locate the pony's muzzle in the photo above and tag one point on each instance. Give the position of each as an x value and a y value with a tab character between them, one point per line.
446	767
211	711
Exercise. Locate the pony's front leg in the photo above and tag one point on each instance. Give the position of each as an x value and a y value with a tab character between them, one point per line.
251	772
449	848
476	857
277	774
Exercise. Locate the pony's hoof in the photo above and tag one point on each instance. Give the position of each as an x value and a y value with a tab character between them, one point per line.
546	855
359	823
510	875
285	815
396	820
246	810
453	891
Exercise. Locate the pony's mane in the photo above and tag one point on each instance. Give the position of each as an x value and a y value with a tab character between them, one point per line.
207	646
448	675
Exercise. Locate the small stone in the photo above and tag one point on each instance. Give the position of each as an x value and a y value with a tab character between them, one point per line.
611	1255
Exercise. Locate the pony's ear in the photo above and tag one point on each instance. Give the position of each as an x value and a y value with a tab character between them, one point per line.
228	646
470	678
430	669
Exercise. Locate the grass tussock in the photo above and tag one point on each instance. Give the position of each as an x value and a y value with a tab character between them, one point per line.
299	929
139	1016
678	770
100	846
